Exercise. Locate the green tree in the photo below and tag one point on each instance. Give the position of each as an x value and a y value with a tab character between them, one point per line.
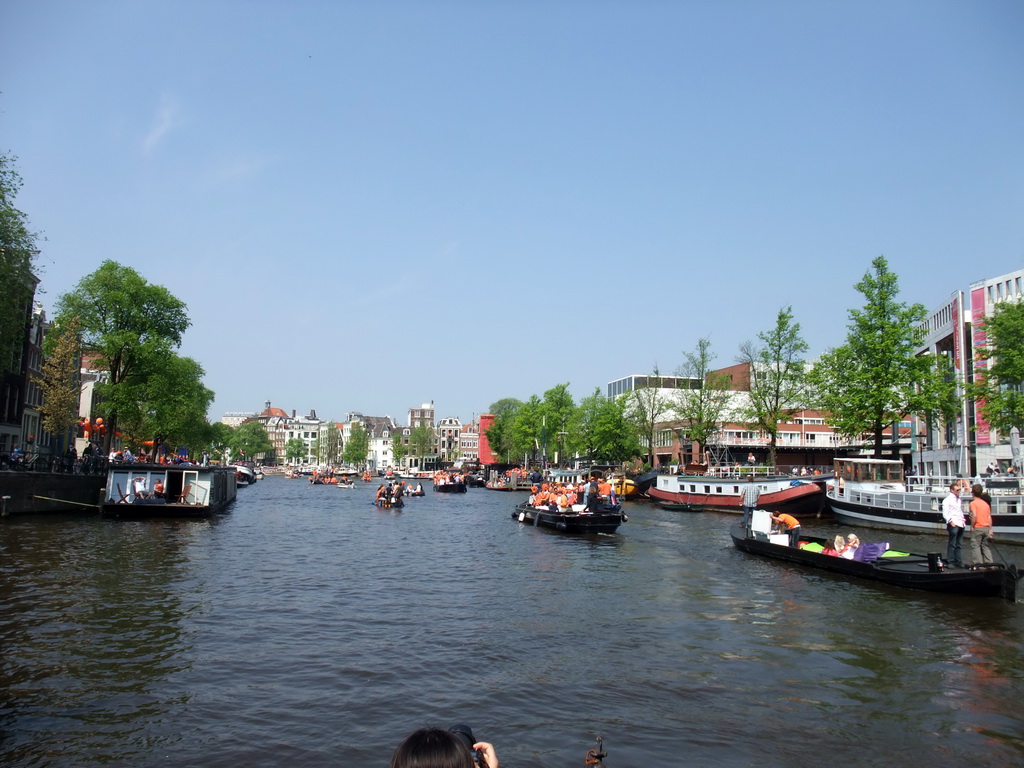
648	407
128	325
399	450
167	407
421	441
876	378
218	439
702	409
525	433
59	381
604	429
499	435
250	441
295	451
17	282
999	387
558	412
357	447
778	374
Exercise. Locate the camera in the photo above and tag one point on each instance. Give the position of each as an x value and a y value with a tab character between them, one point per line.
465	734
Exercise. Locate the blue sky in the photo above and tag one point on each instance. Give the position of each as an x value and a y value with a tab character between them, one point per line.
367	206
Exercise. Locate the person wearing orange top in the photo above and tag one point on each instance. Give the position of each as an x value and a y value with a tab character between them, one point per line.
980	511
604	488
792	525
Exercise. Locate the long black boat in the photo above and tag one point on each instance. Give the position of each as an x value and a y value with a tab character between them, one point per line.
450	487
913	571
606	519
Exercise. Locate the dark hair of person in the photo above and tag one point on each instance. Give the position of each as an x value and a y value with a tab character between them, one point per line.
979	493
432	748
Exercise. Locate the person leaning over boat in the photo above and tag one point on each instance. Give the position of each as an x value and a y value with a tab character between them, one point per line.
981	525
751	493
792	526
953	514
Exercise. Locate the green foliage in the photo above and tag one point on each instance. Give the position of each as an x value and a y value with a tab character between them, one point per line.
875	379
250	441
499	435
648	407
778	374
168	406
295	451
17	282
217	440
702	409
130	327
421	441
357	447
604	431
399	450
59	382
999	389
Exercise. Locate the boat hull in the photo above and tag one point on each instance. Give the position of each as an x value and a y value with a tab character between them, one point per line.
913	572
450	487
606	520
725	494
912	511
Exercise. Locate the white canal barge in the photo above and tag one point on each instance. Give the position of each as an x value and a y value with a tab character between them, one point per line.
874	492
171	490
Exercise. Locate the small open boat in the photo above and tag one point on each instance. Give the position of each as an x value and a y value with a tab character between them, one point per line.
450	487
901	569
607	519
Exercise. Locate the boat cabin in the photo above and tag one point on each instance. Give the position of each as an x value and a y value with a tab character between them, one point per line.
869	472
182	488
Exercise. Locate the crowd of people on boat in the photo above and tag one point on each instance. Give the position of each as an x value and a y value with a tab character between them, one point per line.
393	493
561	497
442	477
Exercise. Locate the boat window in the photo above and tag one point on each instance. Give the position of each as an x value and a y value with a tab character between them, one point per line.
707	489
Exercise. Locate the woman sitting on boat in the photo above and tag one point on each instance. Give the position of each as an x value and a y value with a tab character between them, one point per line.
383	499
850	547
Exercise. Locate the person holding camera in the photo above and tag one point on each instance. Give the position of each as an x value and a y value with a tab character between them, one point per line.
437	748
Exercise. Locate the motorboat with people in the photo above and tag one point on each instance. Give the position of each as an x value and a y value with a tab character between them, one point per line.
877	493
875	561
606	518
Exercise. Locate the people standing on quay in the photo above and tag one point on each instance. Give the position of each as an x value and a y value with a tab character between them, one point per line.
981	525
751	493
953	514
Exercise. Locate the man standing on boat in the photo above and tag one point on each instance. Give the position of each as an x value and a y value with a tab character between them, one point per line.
751	493
953	514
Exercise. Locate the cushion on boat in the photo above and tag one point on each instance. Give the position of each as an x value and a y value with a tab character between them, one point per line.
811	546
868	553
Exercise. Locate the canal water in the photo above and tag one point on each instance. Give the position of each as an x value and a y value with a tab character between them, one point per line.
307	628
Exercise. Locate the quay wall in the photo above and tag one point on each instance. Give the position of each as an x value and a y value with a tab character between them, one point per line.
43	492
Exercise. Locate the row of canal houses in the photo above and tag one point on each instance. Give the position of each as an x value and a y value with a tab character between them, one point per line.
453	440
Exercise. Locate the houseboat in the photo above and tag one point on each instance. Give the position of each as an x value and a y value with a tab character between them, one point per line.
171	490
724	493
875	492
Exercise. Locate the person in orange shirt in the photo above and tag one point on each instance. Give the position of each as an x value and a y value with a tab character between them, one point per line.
981	525
792	525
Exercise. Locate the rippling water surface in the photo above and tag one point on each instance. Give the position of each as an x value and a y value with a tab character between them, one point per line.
306	627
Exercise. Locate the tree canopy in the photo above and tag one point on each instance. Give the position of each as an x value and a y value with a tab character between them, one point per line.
702	409
60	383
876	378
778	374
648	407
999	386
17	254
250	440
357	447
130	328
